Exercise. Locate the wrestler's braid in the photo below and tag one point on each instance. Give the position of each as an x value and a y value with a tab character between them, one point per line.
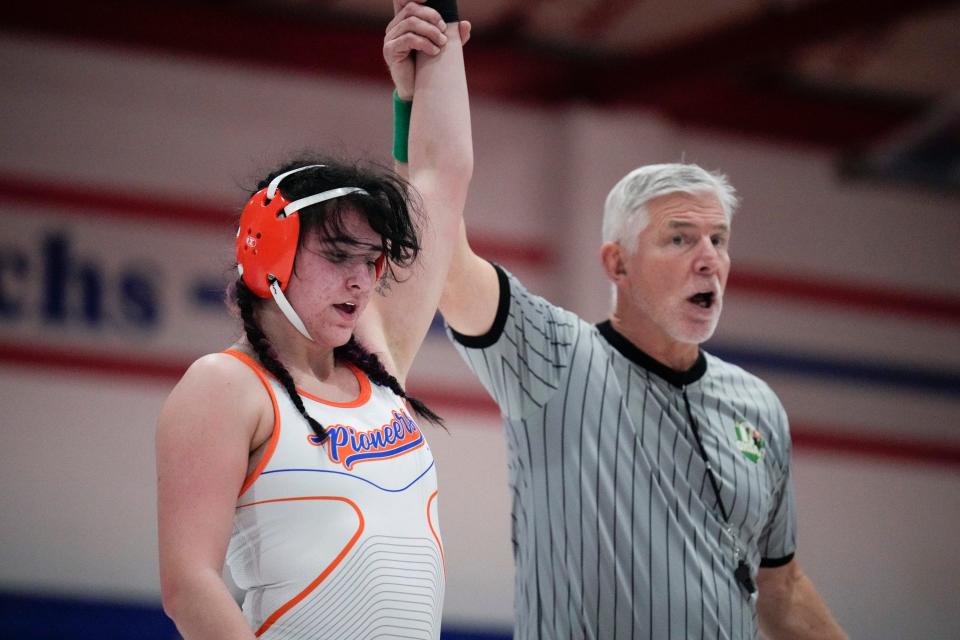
370	364
267	356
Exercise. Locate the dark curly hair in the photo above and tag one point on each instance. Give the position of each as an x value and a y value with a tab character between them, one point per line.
387	210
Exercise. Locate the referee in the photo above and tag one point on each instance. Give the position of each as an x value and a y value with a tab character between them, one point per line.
650	480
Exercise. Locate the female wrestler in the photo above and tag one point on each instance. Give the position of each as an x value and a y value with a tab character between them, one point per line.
296	455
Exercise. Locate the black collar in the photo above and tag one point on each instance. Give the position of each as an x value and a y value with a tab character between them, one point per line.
632	353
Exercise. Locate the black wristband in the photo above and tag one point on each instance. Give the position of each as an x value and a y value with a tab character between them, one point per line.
446	8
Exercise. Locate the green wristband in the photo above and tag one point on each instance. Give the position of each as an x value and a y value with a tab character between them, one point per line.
401	127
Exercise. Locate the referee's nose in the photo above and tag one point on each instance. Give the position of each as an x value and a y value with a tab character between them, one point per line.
708	260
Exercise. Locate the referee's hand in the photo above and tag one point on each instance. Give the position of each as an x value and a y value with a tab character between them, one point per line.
414	27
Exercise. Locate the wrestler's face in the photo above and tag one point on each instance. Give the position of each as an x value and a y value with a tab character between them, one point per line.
676	276
332	281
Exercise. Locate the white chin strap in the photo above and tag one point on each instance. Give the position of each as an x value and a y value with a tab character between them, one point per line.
287	309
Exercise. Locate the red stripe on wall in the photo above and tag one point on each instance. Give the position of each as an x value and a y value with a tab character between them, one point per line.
70	198
835	439
78	199
861	297
75	199
808	437
91	361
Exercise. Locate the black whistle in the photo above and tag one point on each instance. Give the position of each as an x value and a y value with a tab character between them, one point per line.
742	574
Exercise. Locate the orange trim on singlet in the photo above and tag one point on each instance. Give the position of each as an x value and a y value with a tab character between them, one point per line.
362	380
359	401
443	561
330	567
275	435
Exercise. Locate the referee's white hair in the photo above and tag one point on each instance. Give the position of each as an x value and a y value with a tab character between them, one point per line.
625	212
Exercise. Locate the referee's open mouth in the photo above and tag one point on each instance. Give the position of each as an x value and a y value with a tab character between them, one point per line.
703	299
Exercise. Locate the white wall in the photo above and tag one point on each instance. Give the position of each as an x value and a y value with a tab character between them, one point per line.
876	534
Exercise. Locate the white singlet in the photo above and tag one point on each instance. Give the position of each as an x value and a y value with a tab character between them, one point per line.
340	539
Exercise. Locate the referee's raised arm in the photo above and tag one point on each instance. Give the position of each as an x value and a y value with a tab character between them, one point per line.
470	300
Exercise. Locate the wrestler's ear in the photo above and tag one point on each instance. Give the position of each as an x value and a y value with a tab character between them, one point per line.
613	259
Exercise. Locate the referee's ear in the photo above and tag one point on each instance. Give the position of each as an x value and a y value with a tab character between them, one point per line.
613	259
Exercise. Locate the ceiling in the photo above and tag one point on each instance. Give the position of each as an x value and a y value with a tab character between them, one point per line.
878	81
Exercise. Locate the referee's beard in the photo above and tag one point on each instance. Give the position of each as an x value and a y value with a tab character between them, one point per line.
697	325
677	318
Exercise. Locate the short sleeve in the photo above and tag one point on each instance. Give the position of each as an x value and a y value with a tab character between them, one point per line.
525	354
777	543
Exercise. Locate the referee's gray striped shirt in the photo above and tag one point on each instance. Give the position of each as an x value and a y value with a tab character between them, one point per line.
616	530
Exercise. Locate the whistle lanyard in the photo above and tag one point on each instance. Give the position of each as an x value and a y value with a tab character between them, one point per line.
742	572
